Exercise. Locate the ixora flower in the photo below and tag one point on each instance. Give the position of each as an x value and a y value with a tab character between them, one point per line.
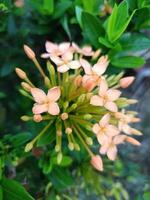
78	102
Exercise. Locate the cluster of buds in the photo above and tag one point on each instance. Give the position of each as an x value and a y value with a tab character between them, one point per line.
78	101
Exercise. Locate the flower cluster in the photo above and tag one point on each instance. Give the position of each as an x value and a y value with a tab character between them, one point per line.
79	101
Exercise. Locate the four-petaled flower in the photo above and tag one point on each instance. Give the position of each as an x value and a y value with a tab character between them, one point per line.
110	147
106	97
65	62
104	130
46	103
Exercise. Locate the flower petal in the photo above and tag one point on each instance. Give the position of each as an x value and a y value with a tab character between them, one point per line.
96	100
111	106
112	130
104	120
54	94
96	128
103	149
103	87
68	56
38	95
45	55
57	60
74	64
38	109
63	47
102	138
63	68
113	94
86	66
119	139
53	109
112	152
50	46
99	68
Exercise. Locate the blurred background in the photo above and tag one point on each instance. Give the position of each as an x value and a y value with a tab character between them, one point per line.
33	22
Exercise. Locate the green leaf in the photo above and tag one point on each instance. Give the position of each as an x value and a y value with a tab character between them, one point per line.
20	139
105	42
61	178
13	190
118	21
61	7
48	6
88	5
1	193
146	195
92	27
134	42
128	62
78	11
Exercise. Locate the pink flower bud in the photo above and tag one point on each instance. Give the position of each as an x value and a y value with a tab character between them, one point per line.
68	130
125	82
133	141
29	52
64	116
97	162
21	73
37	118
89	84
26	86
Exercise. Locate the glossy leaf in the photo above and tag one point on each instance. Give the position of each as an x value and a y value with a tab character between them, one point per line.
92	27
128	62
13	190
118	21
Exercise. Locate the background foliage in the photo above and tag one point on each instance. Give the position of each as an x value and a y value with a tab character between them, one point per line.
121	30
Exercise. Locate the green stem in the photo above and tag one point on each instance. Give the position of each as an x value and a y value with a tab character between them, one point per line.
39	67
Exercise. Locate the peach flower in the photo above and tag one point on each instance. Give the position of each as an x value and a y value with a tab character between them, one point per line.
110	147
106	97
46	103
104	130
65	62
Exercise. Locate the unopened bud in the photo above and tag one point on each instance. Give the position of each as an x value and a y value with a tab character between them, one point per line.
59	158
127	81
66	104
133	141
57	148
71	146
37	118
26	86
59	132
97	162
132	101
21	73
77	147
28	147
64	116
87	116
68	130
135	131
89	141
29	52
25	118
